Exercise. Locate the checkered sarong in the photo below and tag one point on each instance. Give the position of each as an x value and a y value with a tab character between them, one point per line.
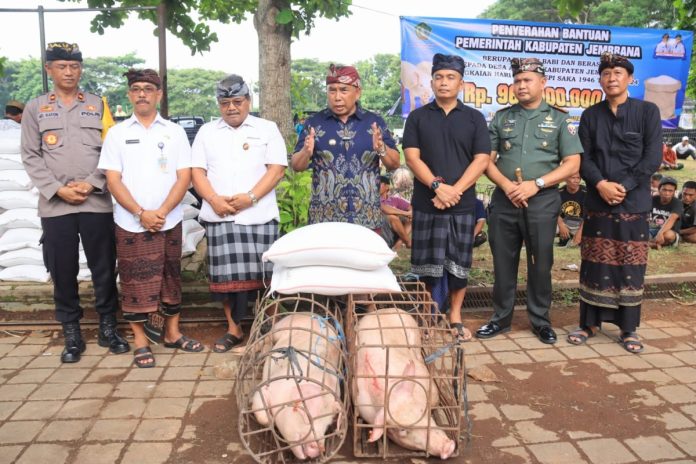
442	242
234	255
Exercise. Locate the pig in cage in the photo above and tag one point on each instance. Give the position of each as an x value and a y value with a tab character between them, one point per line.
406	372
291	384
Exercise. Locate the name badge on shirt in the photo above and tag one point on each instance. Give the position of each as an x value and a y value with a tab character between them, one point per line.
131	141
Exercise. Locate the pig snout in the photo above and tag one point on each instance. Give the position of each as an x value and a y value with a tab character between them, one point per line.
441	445
308	450
313	449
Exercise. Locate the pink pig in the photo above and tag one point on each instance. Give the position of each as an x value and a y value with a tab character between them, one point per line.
301	409
409	400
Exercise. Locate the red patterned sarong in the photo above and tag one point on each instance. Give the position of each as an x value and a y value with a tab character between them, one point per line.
149	267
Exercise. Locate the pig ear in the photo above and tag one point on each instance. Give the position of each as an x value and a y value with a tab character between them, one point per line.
377	432
262	407
313	405
405	386
375	386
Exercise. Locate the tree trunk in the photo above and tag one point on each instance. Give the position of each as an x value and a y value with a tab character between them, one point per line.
274	66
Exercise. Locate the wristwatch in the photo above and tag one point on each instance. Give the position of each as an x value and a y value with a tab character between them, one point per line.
254	200
436	183
539	182
137	214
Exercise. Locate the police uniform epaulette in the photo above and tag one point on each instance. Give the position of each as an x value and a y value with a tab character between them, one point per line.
562	110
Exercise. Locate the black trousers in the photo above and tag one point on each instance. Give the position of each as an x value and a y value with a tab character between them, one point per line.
61	240
686	155
506	232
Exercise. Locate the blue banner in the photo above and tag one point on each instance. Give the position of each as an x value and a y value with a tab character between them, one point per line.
570	53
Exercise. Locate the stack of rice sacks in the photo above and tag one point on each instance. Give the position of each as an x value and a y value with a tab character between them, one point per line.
20	227
331	258
191	230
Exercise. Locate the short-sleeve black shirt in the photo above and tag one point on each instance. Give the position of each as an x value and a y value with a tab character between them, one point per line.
447	144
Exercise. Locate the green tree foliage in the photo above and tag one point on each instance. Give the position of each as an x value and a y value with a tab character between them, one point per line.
192	92
22	80
310	76
380	76
381	81
104	76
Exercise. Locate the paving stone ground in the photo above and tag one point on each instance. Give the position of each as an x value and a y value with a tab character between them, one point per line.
592	404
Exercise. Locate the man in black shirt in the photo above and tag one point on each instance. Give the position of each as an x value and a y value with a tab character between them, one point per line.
688	218
447	147
570	219
665	214
622	138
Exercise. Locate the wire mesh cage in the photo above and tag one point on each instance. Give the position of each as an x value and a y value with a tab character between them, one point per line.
291	384
406	371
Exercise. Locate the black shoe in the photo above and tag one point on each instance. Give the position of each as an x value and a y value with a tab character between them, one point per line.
490	330
546	334
74	345
109	337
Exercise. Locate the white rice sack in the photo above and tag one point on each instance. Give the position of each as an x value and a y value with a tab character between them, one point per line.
189	199
193	232
23	256
328	280
14	239
26	272
10	139
11	199
20	217
190	212
11	161
14	180
331	244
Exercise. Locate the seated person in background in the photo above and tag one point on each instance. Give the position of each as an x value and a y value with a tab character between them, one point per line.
687	230
684	150
570	219
480	236
665	214
669	157
397	212
655	184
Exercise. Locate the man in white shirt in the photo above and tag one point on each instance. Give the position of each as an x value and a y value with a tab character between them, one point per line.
147	162
684	149
664	47
237	162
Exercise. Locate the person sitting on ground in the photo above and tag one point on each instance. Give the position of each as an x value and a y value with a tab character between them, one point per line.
684	150
655	184
570	219
687	231
397	216
665	214
480	237
669	158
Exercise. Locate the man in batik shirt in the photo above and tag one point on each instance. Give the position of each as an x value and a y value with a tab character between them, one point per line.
344	145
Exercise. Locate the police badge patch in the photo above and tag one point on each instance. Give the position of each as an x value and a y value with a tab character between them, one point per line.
51	138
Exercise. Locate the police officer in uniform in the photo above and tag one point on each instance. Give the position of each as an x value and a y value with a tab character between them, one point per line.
536	146
61	143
